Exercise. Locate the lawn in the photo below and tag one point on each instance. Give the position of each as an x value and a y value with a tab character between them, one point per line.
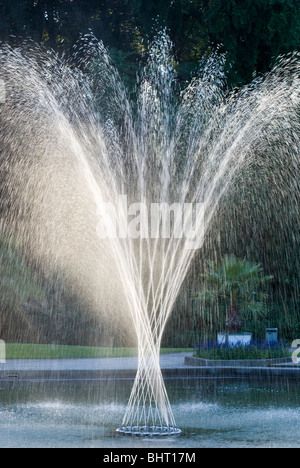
41	351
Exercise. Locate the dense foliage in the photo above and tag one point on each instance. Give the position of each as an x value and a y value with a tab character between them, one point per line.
256	350
252	32
18	285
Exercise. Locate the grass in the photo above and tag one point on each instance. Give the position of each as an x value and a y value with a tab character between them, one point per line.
41	351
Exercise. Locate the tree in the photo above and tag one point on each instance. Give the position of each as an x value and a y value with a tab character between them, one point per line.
18	286
236	283
253	33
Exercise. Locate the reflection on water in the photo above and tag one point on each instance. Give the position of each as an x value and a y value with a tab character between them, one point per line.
211	413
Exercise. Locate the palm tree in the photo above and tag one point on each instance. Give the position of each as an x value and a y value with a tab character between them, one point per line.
237	283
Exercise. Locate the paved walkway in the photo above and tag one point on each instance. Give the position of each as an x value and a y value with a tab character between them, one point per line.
168	361
172	365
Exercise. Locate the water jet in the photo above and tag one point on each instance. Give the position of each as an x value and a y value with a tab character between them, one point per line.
73	143
149	431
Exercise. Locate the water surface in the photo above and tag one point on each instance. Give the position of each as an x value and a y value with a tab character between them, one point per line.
211	413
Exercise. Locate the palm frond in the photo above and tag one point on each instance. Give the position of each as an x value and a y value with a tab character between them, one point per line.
236	280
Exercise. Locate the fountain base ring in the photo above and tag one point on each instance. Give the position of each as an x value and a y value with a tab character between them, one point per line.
148	431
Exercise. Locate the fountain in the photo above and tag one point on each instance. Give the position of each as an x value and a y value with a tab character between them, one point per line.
102	188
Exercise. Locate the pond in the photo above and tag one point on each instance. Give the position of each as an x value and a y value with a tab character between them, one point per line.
210	412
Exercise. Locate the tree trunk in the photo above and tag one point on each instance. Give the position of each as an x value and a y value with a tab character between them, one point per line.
233	320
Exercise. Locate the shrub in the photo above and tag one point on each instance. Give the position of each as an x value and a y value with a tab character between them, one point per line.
257	349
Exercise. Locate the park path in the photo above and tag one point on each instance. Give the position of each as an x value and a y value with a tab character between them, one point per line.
168	361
